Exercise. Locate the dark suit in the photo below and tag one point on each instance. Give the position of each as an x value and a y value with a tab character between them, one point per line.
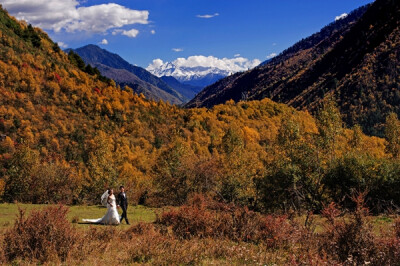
122	201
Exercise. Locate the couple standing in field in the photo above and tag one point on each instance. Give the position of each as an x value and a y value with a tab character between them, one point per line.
112	217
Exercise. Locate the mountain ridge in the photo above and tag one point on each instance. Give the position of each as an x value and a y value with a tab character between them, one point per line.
214	94
335	62
142	81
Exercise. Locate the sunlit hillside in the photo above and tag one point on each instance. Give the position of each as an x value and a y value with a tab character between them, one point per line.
67	136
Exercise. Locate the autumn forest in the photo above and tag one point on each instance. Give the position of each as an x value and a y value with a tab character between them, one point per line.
68	133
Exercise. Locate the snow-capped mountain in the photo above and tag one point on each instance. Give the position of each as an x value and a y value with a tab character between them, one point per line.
188	73
196	76
200	70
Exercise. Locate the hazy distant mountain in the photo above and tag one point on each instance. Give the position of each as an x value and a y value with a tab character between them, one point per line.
113	66
354	59
188	91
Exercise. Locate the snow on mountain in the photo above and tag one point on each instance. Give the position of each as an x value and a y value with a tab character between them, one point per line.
201	70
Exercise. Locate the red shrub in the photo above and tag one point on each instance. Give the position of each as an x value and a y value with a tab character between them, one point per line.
390	246
349	241
45	235
331	212
276	230
57	77
389	250
188	221
397	228
139	229
201	219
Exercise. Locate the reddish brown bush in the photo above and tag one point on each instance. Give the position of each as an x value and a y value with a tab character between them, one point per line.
105	234
2	255
397	228
141	228
389	251
331	212
188	221
390	246
277	231
217	220
45	235
349	241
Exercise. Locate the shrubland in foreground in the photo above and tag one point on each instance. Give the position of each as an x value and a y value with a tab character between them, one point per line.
204	232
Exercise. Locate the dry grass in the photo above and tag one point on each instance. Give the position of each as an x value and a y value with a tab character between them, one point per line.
344	241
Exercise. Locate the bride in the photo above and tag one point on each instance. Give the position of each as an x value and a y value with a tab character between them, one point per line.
112	216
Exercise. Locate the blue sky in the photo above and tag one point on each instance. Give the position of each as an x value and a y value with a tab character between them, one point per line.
253	28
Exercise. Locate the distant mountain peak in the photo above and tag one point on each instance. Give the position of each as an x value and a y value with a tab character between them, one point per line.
115	67
201	70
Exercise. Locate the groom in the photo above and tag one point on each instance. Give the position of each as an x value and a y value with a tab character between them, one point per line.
122	201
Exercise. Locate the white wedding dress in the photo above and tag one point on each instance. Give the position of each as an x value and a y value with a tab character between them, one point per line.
111	217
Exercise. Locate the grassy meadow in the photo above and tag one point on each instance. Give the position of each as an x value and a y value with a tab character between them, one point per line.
139	213
9	212
197	234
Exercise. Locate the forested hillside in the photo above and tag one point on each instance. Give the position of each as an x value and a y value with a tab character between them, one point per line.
280	68
354	60
67	136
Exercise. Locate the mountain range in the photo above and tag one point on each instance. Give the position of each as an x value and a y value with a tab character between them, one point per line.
199	70
174	82
196	76
354	60
139	79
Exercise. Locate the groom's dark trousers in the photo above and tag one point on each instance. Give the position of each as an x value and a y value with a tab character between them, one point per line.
123	203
